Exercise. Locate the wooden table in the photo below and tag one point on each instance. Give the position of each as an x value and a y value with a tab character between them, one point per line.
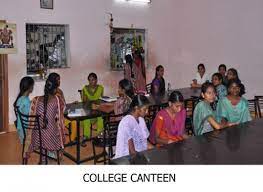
89	114
104	111
241	144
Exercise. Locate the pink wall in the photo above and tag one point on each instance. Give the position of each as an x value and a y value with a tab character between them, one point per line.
181	34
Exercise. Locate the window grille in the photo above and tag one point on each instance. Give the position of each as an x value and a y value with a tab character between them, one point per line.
46	47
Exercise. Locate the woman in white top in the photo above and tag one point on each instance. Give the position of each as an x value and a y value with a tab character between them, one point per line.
132	131
201	76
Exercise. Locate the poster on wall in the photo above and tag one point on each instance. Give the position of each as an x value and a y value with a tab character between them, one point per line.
8	43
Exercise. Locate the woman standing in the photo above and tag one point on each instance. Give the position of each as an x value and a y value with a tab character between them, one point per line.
23	102
50	108
158	83
132	131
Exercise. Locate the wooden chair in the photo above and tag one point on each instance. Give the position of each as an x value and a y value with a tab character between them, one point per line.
253	108
107	139
259	100
148	88
152	112
190	106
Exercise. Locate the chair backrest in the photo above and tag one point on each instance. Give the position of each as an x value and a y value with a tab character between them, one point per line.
29	121
148	88
253	108
259	100
152	112
16	113
111	123
190	106
80	94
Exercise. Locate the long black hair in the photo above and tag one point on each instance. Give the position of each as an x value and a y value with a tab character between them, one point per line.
25	84
242	87
50	88
127	86
129	60
53	78
239	84
138	101
176	96
162	81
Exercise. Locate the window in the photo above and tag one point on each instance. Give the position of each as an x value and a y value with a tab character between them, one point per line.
46	47
124	42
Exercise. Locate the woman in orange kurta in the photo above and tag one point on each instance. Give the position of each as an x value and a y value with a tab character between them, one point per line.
169	123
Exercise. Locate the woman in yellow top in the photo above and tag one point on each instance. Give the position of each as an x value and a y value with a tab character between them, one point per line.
92	92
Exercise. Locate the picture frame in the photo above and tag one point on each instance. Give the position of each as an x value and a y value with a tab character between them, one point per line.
8	41
46	4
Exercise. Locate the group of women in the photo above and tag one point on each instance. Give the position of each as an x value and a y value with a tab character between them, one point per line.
133	134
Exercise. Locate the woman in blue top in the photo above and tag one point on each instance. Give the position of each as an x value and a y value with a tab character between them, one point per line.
233	108
204	119
23	102
217	80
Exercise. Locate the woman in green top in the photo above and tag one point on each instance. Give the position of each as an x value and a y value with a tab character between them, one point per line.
92	92
233	108
204	116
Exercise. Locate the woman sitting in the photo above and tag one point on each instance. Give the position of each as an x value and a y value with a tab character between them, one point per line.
132	131
204	116
126	94
158	83
92	93
201	76
232	74
50	108
233	108
23	102
217	81
169	124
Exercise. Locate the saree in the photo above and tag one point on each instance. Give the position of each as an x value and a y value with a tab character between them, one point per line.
234	114
202	112
53	136
168	128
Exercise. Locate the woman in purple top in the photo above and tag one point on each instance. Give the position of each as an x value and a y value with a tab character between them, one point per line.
158	83
132	131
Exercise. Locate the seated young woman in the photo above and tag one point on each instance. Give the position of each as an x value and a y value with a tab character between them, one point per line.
232	74
124	100
233	108
204	119
169	123
221	90
201	76
158	83
132	131
50	108
23	102
222	71
92	93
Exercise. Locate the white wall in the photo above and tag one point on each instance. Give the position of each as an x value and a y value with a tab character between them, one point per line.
181	34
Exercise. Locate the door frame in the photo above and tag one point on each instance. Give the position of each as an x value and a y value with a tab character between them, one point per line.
5	98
